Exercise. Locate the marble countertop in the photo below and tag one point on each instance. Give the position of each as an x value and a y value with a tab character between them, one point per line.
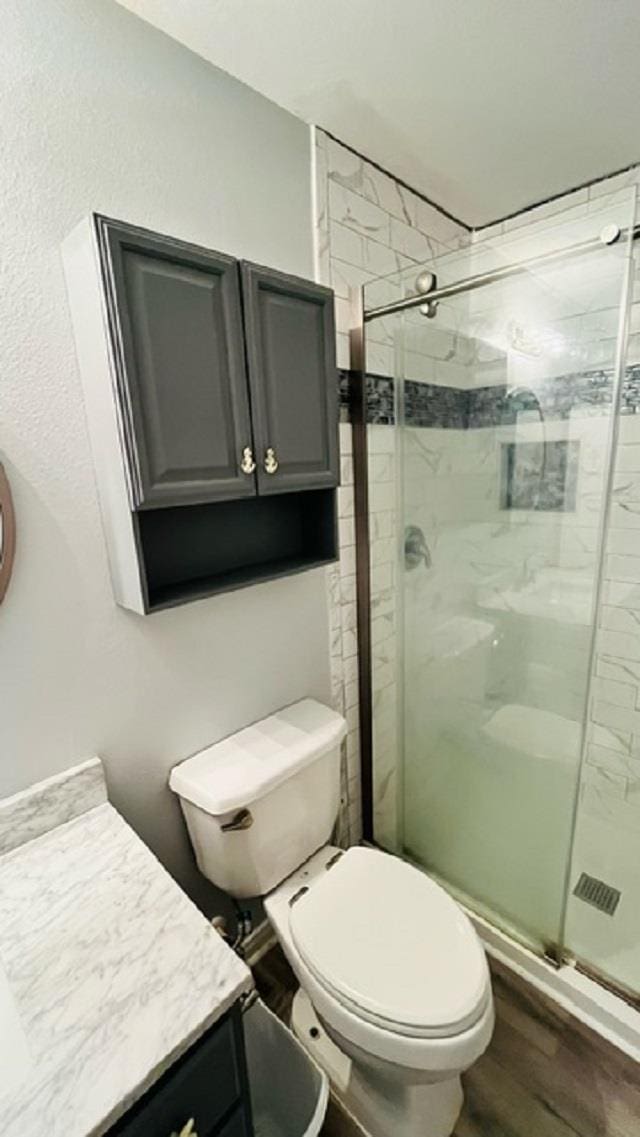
112	971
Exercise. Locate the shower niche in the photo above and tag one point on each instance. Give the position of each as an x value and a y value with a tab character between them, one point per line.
539	475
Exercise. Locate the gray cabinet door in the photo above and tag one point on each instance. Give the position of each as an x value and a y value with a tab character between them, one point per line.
176	325
290	339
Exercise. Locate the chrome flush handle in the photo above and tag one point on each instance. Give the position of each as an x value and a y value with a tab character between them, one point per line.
243	819
270	461
247	465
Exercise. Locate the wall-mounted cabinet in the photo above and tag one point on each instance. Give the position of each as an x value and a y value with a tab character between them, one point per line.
211	396
290	338
175	318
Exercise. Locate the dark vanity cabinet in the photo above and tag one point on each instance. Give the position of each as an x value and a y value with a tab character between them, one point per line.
219	402
205	1093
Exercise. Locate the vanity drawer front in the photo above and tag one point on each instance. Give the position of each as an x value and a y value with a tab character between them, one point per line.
203	1085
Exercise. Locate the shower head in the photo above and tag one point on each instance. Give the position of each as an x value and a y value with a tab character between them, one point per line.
528	396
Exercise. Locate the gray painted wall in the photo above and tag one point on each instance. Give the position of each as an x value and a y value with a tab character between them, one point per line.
99	111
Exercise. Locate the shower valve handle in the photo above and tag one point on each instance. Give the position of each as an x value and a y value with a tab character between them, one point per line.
416	549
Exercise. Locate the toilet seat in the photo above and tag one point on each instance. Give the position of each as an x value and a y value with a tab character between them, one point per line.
392	947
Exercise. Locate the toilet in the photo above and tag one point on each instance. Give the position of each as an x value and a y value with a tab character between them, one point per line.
395	996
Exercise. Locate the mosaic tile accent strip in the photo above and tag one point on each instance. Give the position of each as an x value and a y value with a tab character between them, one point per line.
428	404
344	398
453	408
558	397
380	398
630	402
492	406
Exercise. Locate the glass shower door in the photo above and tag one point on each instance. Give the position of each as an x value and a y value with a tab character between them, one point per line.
505	403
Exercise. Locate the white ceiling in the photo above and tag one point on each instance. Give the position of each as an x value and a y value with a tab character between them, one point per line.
484	106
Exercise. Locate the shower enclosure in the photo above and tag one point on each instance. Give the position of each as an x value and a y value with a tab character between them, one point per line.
503	650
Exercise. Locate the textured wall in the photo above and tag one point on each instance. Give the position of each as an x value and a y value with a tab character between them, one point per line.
100	111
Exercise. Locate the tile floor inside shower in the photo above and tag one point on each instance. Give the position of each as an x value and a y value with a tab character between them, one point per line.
607	943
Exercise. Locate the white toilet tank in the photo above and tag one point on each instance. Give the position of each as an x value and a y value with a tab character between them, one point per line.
259	803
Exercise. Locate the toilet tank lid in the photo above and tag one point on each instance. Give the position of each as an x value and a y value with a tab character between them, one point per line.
235	772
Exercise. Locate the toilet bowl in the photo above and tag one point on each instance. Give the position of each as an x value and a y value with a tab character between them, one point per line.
393	977
398	980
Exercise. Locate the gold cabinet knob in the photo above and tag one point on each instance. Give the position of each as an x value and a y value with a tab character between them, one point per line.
270	461
187	1130
247	465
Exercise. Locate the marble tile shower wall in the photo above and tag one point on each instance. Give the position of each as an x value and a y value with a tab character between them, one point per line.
488	561
610	785
611	782
369	226
480	550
